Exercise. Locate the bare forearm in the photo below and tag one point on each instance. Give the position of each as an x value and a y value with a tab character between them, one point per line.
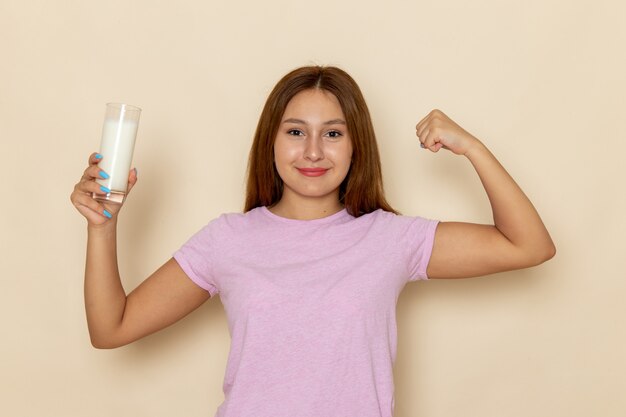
105	298
513	213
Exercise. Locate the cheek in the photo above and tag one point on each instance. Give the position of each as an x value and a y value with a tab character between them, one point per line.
284	153
342	156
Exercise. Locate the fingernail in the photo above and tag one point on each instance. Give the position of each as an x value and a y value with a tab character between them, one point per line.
105	189
136	173
104	175
422	145
106	213
98	156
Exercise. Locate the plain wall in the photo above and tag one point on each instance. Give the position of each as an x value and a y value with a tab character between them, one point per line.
540	82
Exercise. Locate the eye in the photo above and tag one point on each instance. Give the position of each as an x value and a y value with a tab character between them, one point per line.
295	132
334	134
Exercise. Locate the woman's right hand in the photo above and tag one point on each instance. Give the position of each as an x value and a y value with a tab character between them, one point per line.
97	213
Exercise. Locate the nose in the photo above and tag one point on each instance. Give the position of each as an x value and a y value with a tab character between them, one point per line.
313	150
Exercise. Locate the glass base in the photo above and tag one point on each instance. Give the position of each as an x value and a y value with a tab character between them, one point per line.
116	197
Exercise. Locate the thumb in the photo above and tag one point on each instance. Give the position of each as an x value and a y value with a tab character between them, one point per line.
132	179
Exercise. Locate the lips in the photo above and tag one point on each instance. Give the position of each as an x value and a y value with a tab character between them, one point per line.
312	172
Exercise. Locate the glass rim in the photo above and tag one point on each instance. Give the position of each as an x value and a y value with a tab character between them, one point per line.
124	106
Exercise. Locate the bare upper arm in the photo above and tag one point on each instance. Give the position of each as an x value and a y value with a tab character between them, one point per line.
163	298
463	250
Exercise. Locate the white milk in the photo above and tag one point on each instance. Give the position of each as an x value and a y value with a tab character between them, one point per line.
116	148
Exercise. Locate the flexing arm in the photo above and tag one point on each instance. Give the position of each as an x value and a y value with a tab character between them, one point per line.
518	237
115	319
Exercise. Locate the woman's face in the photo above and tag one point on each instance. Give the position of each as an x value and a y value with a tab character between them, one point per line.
312	150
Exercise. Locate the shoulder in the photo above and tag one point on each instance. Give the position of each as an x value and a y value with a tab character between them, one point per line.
391	219
234	219
402	228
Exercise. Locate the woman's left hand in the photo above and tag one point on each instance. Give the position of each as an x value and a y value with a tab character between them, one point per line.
436	131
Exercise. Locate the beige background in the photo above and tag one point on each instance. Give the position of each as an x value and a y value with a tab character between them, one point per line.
541	82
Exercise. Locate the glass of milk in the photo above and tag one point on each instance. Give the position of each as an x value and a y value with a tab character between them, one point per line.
118	142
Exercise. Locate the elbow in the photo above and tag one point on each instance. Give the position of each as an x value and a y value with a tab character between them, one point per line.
551	252
103	342
542	254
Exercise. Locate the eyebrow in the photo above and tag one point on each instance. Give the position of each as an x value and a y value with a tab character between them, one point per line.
302	122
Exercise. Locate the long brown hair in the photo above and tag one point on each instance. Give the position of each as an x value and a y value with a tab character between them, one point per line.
361	191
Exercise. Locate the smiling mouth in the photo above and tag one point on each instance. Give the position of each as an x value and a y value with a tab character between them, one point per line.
312	172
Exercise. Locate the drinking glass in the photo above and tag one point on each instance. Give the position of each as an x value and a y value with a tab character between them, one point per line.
116	147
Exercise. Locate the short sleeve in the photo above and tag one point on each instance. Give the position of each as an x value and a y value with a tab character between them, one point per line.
418	239
196	258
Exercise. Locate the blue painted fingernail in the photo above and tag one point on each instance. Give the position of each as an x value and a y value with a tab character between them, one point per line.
422	145
136	173
105	189
106	213
104	175
98	156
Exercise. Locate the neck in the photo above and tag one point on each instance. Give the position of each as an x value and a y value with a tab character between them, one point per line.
306	210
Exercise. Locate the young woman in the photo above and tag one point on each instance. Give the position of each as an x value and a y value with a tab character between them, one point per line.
310	272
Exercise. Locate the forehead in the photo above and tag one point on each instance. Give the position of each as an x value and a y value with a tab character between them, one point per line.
314	102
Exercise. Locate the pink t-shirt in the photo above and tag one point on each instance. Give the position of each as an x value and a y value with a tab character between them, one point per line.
311	307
